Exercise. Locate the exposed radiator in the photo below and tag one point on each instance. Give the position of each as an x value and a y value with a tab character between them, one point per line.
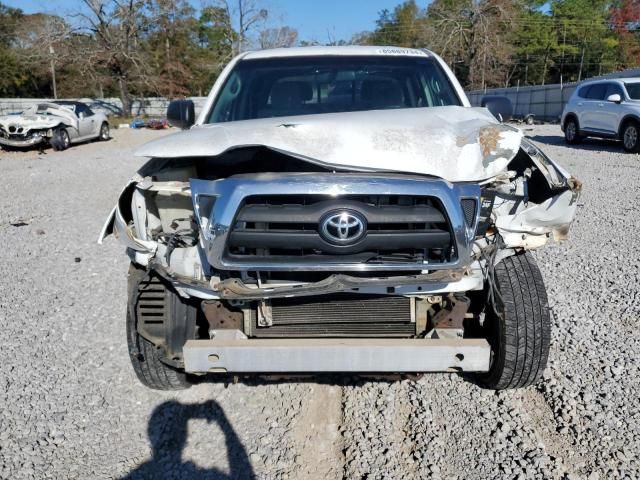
343	315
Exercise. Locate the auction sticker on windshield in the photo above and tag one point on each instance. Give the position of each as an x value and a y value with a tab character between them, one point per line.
402	51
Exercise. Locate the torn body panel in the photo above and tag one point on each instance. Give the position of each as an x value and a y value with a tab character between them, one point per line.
540	201
530	226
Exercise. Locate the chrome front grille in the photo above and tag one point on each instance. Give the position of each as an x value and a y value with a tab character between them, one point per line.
272	222
288	228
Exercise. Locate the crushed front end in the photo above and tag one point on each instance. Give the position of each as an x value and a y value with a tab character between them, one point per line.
17	136
314	269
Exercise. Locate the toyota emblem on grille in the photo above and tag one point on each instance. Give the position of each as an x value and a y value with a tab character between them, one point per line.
343	227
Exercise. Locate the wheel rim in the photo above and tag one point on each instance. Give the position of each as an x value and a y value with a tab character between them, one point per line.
65	138
104	133
571	131
630	137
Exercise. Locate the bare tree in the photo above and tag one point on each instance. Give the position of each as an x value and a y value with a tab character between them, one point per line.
476	36
247	16
117	27
41	42
278	37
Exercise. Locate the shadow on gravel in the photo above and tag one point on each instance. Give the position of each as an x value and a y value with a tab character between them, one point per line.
592	144
168	430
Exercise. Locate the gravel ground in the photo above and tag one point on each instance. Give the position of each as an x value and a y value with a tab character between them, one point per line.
72	408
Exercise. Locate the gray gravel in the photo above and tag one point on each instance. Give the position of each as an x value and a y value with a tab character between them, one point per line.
72	408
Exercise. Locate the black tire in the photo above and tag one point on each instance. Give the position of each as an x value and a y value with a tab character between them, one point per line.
146	358
104	132
519	337
572	131
61	140
630	136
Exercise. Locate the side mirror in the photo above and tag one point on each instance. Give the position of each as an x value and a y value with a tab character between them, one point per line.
181	114
615	98
81	115
500	107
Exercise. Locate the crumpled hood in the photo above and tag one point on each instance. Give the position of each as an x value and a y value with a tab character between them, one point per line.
29	121
455	143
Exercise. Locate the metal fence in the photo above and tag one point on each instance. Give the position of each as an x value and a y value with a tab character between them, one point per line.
544	101
151	107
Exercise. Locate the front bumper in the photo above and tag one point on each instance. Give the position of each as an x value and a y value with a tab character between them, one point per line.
234	353
35	140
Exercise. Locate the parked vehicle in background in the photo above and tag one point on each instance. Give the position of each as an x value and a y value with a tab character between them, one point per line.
604	109
340	209
58	124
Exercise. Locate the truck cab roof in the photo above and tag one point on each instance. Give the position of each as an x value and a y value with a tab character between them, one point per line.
349	50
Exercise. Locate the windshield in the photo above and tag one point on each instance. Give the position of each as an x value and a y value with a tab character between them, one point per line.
279	87
633	89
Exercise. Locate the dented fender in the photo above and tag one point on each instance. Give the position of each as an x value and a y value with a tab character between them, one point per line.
530	227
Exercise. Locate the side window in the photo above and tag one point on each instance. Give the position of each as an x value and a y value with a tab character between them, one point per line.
86	111
612	89
597	91
582	93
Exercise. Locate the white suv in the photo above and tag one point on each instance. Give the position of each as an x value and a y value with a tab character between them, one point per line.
605	109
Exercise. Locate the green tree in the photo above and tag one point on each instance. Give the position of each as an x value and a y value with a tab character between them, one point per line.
14	77
169	42
536	45
403	27
215	41
587	41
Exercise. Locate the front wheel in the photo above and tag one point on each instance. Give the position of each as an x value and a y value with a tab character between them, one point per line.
156	312
104	132
520	334
631	137
61	140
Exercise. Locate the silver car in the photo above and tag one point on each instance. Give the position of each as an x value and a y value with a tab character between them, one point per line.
59	124
604	109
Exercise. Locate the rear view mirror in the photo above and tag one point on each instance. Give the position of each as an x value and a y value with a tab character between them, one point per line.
181	114
500	107
614	97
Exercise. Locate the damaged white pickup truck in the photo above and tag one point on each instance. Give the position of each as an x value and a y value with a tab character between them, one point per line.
339	209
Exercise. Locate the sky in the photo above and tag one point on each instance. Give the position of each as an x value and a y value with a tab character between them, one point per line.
318	20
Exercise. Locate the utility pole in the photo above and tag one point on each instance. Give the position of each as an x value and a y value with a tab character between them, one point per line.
564	42
53	72
584	47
